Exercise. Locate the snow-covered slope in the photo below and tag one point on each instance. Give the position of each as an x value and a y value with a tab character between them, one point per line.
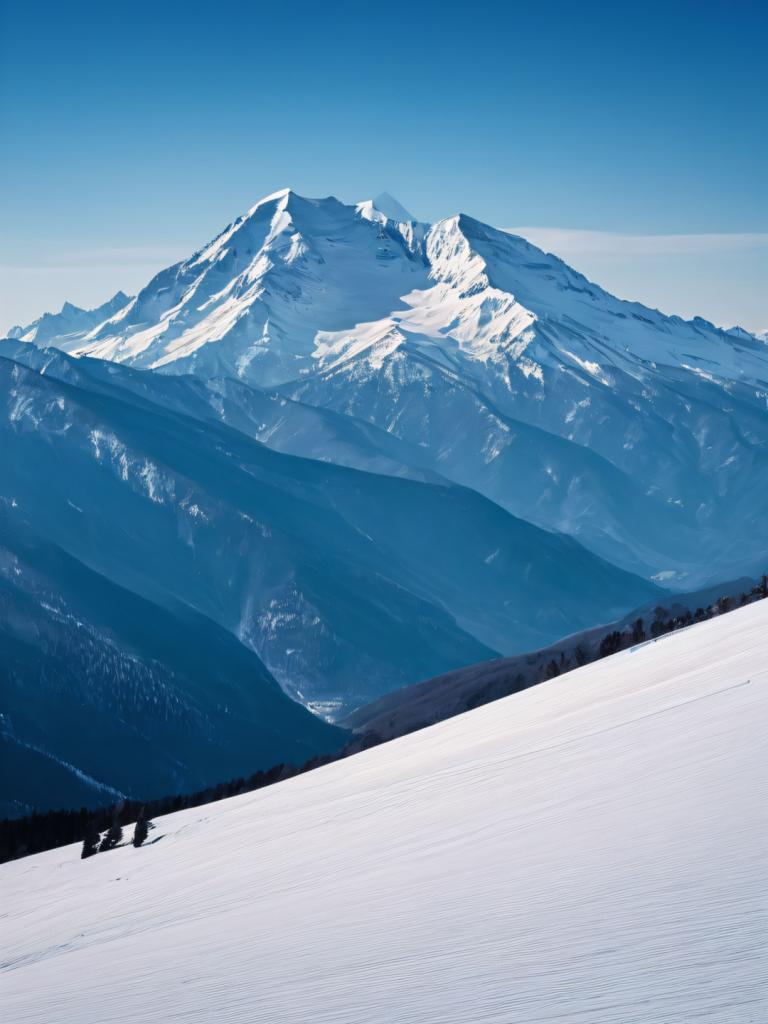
592	850
434	700
645	436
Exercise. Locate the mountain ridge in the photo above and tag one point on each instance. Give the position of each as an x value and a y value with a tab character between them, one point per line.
291	214
339	579
446	337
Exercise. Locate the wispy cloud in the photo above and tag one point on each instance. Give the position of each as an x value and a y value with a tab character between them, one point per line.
572	241
89	258
86	276
719	276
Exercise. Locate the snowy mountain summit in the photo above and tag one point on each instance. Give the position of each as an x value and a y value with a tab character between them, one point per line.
389	207
298	284
251	302
644	435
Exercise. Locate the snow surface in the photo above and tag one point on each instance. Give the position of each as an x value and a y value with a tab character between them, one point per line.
591	850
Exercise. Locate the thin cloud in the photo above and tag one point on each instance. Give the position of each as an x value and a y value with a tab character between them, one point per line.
87	259
718	276
609	243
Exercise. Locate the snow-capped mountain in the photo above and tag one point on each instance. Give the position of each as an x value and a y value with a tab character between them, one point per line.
345	583
250	303
70	324
643	435
591	850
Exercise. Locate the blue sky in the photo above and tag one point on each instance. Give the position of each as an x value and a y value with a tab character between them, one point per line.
131	133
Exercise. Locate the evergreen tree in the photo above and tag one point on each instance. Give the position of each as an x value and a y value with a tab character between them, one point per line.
113	836
90	842
141	831
613	641
610	644
661	623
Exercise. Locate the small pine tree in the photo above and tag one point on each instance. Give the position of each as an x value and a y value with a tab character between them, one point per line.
141	831
610	644
112	836
661	623
638	631
90	842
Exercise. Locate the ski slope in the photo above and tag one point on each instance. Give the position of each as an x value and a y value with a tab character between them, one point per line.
591	850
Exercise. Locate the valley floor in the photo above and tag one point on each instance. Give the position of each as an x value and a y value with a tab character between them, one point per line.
591	850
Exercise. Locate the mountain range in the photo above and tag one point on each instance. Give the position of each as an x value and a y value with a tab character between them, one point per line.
348	451
497	365
346	583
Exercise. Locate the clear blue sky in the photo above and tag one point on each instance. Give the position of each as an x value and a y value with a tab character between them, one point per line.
132	132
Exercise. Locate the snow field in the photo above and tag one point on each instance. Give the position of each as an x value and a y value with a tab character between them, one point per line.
591	850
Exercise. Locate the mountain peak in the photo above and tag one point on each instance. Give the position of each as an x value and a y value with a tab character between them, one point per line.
281	193
391	208
291	281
